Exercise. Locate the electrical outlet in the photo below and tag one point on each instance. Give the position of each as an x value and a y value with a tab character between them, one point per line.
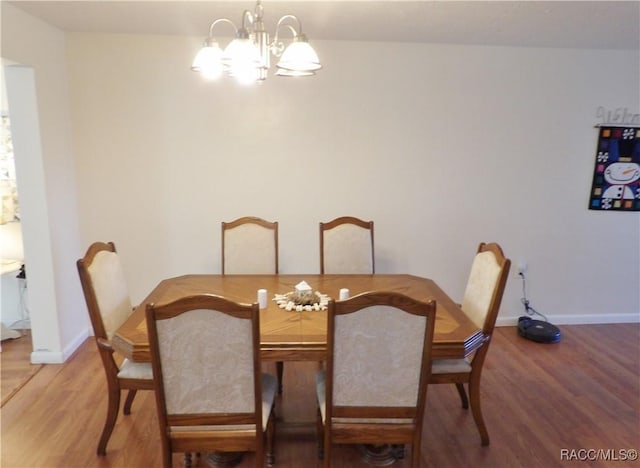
522	267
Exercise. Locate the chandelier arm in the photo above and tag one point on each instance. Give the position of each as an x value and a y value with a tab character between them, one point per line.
222	20
295	32
292	29
252	18
277	47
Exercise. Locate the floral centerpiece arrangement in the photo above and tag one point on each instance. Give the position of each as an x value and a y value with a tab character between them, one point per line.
302	298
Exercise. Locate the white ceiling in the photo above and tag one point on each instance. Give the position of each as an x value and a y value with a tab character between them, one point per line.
573	24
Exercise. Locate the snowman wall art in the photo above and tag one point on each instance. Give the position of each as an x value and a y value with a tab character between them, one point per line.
616	177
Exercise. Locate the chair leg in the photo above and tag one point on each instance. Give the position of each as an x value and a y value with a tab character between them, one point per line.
259	455
112	414
463	395
474	394
415	455
167	457
415	450
327	456
271	432
279	372
320	430
327	448
129	401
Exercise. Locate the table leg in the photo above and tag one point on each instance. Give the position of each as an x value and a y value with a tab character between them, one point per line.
379	455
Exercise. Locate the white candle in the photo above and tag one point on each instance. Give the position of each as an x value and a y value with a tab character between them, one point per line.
344	294
262	298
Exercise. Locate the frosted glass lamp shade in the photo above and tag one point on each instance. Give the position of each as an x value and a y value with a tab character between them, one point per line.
242	57
208	61
299	56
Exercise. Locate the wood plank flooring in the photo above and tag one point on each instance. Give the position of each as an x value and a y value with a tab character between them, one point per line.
15	367
538	399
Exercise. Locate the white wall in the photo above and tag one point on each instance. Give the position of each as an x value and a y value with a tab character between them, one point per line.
443	146
41	126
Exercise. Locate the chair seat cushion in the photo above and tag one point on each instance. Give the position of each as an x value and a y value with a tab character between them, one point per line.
450	366
135	370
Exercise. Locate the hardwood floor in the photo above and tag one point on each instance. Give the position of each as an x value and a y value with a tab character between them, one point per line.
538	399
15	366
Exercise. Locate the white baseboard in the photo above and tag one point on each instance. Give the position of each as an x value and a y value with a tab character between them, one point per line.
575	319
59	357
46	357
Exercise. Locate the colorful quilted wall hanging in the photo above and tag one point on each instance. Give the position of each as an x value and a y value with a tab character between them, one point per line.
616	177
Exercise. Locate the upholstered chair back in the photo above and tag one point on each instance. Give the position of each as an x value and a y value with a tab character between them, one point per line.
378	365
377	357
207	363
211	395
346	246
107	279
482	285
250	246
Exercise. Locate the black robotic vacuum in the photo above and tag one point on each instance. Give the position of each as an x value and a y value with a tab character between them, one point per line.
537	330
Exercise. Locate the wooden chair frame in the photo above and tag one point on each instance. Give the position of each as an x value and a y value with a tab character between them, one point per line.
472	379
352	431
251	220
114	384
345	220
234	439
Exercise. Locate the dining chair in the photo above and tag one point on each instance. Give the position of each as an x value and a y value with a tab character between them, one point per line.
210	392
374	387
346	246
107	297
250	246
481	303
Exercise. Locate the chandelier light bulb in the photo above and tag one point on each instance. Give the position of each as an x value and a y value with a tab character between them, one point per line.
208	61
243	59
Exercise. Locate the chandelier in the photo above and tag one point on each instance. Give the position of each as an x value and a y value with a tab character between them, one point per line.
247	56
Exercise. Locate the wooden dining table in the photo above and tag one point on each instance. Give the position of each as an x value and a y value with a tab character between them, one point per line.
302	336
